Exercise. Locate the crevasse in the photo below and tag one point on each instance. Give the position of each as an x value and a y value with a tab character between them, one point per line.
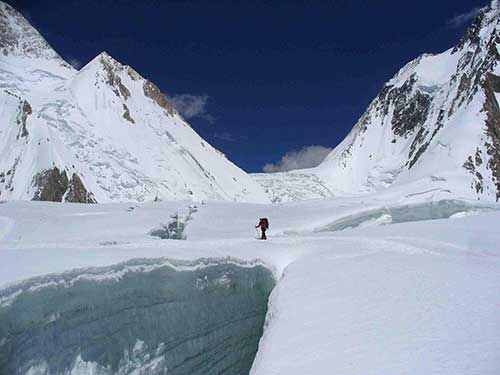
140	317
433	210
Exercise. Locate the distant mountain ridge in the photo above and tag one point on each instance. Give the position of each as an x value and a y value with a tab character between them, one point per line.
434	125
100	134
105	133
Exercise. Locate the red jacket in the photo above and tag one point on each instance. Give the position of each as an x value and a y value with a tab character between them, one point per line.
263	223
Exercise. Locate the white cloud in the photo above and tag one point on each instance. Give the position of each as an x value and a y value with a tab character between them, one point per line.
463	18
307	157
191	106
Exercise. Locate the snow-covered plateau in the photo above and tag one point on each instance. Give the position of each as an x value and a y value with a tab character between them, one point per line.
392	283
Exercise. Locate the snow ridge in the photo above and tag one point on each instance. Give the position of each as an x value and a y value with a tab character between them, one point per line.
19	38
431	119
434	125
101	134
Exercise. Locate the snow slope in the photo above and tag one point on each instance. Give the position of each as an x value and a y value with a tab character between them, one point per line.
293	186
436	120
412	295
103	133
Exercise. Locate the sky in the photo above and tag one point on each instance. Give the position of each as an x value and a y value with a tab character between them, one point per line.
274	85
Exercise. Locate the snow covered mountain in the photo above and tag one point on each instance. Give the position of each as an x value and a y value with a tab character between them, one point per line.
100	134
435	124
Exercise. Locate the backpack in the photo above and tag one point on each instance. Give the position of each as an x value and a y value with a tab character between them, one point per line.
264	223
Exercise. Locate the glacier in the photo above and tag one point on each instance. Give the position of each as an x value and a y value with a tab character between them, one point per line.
430	287
86	289
151	316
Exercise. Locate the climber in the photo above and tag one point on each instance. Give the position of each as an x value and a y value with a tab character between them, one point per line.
264	225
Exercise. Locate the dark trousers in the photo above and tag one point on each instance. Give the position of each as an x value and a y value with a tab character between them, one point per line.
263	235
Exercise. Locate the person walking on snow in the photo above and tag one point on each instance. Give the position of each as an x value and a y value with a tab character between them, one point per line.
264	225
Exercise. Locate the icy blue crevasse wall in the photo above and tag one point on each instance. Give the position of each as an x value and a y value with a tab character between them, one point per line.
152	319
432	210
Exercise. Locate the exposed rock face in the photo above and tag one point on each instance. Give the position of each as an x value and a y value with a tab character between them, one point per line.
410	107
471	166
481	77
471	35
152	91
7	178
438	115
24	111
52	185
126	114
77	193
114	79
492	86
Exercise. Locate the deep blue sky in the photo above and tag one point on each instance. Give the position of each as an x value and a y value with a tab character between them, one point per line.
279	75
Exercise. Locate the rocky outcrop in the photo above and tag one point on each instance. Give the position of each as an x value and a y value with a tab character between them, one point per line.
471	165
471	35
24	111
492	86
152	91
114	79
480	76
52	185
409	106
126	114
7	178
77	193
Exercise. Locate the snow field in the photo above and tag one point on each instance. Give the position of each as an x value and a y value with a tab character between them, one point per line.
408	298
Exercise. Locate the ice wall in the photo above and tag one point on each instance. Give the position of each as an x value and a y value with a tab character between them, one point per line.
141	317
432	210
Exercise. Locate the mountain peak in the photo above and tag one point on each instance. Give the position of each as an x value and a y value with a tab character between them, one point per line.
105	68
103	133
18	38
103	58
104	54
111	66
435	123
106	57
